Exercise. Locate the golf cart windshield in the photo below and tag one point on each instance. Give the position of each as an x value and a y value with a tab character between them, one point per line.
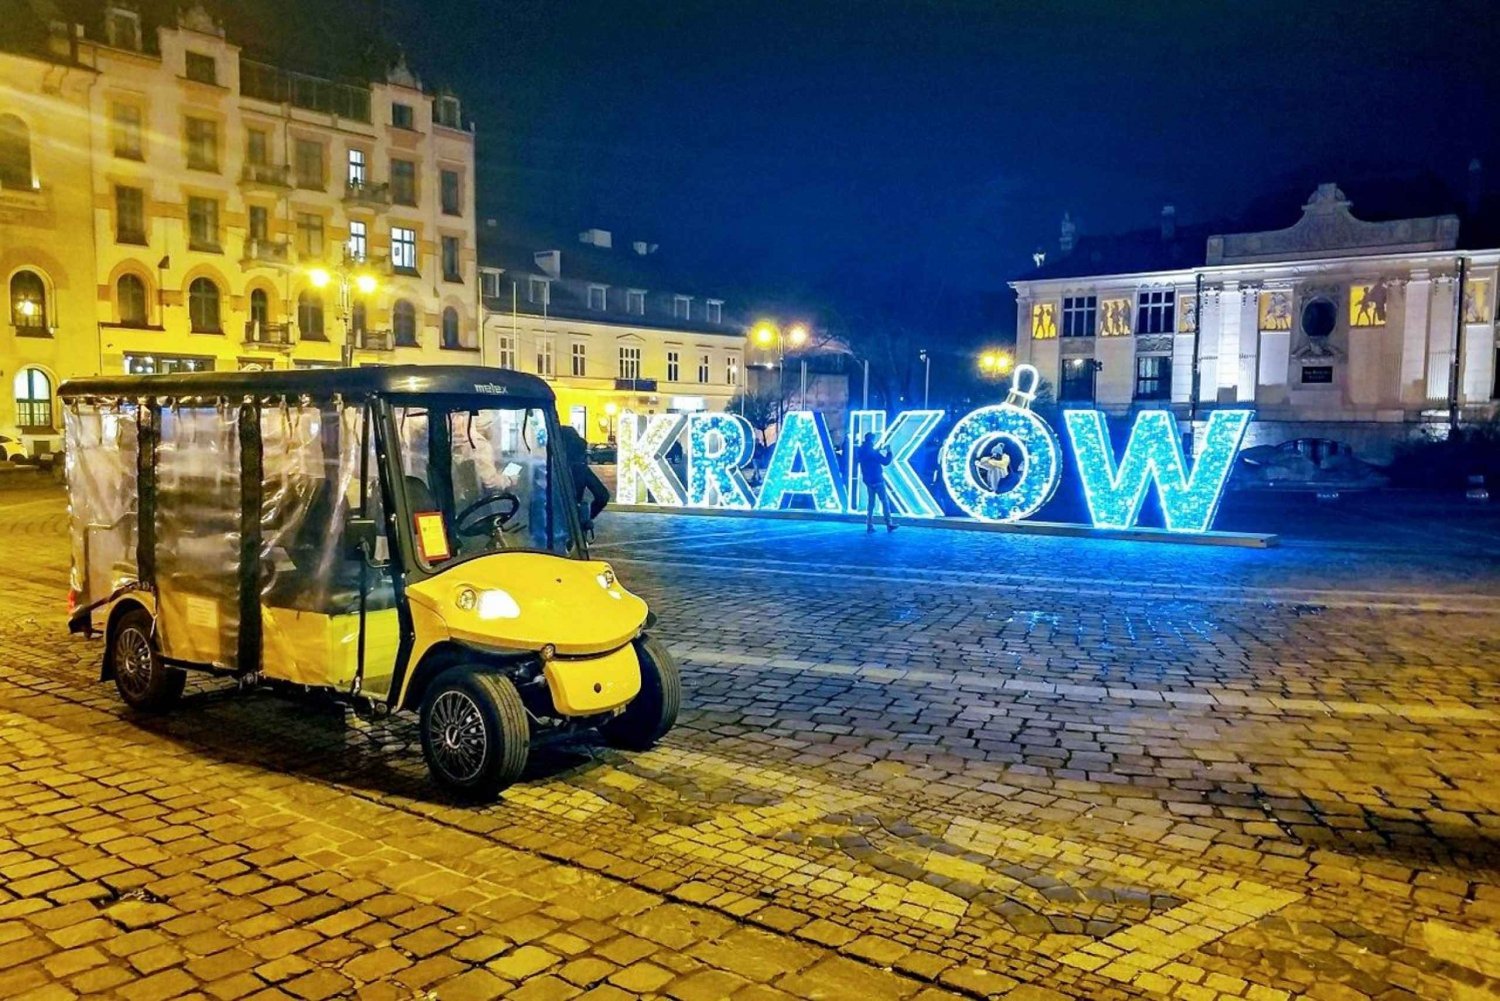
479	480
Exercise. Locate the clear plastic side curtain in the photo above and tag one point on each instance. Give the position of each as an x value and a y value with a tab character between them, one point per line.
100	456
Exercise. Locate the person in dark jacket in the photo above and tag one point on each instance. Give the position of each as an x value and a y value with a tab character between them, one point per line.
585	480
872	462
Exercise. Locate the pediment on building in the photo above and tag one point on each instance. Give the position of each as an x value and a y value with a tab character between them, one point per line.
1328	228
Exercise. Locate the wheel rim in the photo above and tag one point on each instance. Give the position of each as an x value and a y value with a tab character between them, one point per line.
133	662
456	733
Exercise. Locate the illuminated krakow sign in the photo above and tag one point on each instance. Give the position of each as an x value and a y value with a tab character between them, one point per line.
999	463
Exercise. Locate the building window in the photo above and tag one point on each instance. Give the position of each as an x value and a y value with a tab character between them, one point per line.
539	290
122	28
404	249
257	148
403	182
674	366
357	176
33	400
507	347
359	320
446	110
130	215
703	363
359	240
1153	377
203	307
260	312
451	272
1077	383
1317	375
732	371
28	303
682	308
15	154
260	222
450	328
597	296
307	163
202	68
202	144
580	359
402	116
130	295
1080	314
451	193
310	315
1156	313
309	234
404	323
630	362
714	311
543	355
635	302
203	225
125	131
489	284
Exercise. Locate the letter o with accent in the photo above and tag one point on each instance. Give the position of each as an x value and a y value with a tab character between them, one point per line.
1041	463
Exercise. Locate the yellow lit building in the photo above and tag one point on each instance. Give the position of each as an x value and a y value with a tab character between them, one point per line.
217	212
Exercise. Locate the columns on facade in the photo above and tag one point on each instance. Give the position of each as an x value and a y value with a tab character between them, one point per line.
1418	296
1439	339
1248	346
1218	302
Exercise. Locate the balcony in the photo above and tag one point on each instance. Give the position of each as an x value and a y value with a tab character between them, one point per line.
375	196
260	250
374	340
267	175
310	93
636	385
271	335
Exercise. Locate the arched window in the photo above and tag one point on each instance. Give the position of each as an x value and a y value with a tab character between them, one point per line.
28	302
260	313
33	400
310	316
404	323
203	306
450	328
15	154
130	292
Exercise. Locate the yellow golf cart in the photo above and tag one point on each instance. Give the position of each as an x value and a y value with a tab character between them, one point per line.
404	536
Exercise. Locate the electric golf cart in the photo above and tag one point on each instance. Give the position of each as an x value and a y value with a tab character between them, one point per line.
405	537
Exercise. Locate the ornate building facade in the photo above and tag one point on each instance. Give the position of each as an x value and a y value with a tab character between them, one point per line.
192	208
1335	325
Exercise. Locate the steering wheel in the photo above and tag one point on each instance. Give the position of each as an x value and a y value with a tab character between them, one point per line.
467	525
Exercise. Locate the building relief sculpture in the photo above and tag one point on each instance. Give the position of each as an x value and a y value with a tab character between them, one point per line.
1328	229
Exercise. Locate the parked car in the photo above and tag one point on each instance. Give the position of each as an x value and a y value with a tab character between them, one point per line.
13	449
603	454
1311	464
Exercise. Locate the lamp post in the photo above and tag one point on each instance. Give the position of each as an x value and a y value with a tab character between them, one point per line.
768	333
926	360
349	272
610	410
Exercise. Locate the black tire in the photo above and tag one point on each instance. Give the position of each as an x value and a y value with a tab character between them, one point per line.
475	735
654	711
144	682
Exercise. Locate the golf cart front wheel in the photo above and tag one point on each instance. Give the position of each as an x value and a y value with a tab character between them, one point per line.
654	711
475	735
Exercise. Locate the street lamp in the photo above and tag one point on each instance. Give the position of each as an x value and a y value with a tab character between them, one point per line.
610	409
993	364
767	333
926	360
349	272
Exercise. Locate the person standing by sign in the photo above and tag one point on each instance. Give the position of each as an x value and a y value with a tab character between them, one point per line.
872	462
585	480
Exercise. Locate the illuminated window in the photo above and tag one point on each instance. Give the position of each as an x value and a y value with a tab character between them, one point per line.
33	391
451	272
130	215
203	307
403	182
404	249
202	144
203	225
543	355
402	116
1153	377
635	301
1114	318
630	362
1080	314
130	294
714	310
310	234
703	365
359	240
597	296
137	364
732	371
451	337
451	193
125	131
202	68
307	163
28	303
507	349
1077	382
539	290
674	366
310	315
580	359
682	306
1276	310
1043	320
1367	304
404	323
1156	312
357	169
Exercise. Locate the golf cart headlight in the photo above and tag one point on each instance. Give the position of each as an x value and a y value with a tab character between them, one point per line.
467	600
497	604
606	577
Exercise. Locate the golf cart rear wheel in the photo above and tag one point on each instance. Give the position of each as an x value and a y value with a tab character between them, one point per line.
475	735
144	682
654	711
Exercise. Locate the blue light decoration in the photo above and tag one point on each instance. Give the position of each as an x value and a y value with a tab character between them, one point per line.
909	496
982	437
802	465
1153	455
644	474
719	446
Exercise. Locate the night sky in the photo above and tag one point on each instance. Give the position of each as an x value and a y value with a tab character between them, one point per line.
919	151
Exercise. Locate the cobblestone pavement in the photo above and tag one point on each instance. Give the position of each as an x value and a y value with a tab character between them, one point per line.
916	766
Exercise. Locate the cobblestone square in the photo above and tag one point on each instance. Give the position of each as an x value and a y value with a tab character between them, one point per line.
912	766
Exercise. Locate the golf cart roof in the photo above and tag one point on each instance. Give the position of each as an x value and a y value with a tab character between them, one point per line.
456	380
